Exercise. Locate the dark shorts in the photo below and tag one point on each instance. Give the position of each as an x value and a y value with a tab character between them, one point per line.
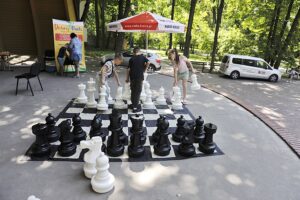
76	57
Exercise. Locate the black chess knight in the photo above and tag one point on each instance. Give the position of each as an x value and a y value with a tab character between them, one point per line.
199	130
163	145
78	132
180	130
208	146
136	148
41	146
186	147
96	126
52	133
67	146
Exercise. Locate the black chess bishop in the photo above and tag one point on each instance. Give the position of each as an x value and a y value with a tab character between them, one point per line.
78	132
52	133
199	130
186	147
163	145
67	146
136	148
180	130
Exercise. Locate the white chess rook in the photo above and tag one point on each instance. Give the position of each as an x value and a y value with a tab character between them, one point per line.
195	85
103	181
90	157
177	105
161	100
119	103
148	102
91	94
82	98
102	104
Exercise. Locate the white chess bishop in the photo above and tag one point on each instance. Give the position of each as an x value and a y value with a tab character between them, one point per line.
102	104
176	104
161	100
119	103
103	181
90	157
195	85
91	102
82	98
148	102
109	98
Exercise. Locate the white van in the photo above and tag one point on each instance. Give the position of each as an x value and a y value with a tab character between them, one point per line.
237	66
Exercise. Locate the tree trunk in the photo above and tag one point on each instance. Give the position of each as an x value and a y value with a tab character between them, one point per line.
214	50
85	11
102	5
97	23
76	6
214	13
172	17
109	40
188	35
288	39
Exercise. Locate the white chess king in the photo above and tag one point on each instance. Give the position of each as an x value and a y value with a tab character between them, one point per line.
103	181
91	103
90	157
177	105
102	104
195	85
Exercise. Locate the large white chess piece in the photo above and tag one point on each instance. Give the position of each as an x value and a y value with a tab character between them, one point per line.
127	93
82	98
32	197
177	105
143	93
148	102
102	104
119	103
195	85
109	98
103	181
91	103
161	100
90	157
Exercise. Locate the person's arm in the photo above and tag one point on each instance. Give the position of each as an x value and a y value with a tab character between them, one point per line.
128	71
117	77
175	76
147	63
190	64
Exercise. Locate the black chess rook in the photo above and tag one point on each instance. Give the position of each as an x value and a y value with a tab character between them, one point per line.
41	146
208	146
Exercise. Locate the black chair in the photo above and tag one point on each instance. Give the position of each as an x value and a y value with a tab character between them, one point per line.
49	56
34	72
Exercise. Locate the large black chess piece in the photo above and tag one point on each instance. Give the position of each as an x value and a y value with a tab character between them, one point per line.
96	126
155	135
41	146
115	147
180	130
208	146
186	147
163	145
67	146
78	132
115	124
52	133
136	148
199	130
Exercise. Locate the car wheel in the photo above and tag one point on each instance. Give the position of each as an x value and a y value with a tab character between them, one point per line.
235	75
151	68
273	78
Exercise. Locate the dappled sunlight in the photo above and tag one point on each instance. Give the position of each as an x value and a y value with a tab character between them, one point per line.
22	159
44	110
188	184
4	109
269	112
45	164
118	190
8	119
27	131
150	176
234	179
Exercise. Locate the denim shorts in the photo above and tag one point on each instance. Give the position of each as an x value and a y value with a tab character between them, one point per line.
183	75
76	57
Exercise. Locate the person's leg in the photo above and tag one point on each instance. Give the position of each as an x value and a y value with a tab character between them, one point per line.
76	63
139	87
184	85
133	91
61	65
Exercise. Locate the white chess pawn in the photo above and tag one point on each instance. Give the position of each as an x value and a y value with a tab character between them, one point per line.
102	104
90	157
103	181
119	103
161	100
82	98
109	98
91	103
148	102
195	85
32	197
177	105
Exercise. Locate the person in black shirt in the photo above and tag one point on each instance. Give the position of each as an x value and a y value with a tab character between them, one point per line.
62	54
138	64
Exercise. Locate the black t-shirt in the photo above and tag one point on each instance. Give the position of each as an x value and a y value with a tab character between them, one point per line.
137	67
62	52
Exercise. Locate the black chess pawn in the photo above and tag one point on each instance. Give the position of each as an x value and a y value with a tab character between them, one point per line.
155	135
115	147
67	146
163	145
41	146
208	146
186	147
180	130
78	132
199	130
115	124
52	133
96	126
136	148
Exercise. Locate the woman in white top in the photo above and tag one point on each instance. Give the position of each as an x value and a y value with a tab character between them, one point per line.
181	67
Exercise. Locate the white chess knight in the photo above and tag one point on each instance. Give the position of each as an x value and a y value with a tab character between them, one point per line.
119	103
82	98
103	181
90	157
177	105
161	100
195	85
91	103
148	102
102	104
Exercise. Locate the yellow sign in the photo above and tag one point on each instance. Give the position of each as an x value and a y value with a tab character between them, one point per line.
61	33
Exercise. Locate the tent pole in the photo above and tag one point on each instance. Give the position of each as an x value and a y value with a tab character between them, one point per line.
147	41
